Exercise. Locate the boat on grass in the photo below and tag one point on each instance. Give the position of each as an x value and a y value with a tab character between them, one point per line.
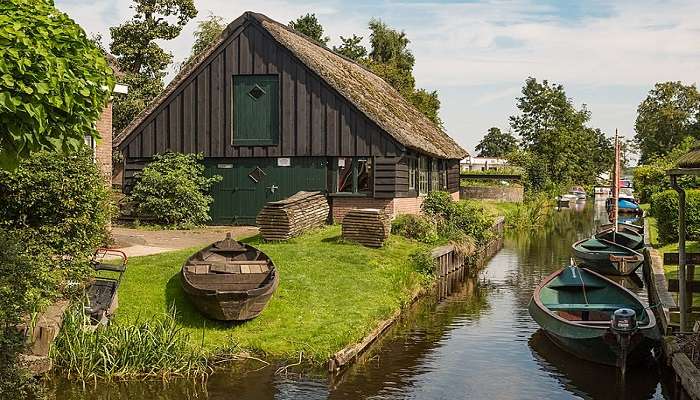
594	318
607	257
627	238
229	280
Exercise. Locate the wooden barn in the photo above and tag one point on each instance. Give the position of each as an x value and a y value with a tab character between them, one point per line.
274	112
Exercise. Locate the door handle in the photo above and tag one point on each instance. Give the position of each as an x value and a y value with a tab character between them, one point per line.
273	188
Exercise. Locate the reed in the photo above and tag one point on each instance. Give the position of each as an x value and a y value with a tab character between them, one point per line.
148	349
530	214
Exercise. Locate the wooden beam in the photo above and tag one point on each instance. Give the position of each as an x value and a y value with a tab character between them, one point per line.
692	286
690	258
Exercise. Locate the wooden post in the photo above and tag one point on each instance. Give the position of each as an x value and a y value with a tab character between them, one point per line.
689	277
682	286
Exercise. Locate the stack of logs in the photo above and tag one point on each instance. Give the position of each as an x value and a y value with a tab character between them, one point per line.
369	227
284	219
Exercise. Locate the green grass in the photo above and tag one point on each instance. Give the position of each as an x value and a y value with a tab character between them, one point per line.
500	208
331	294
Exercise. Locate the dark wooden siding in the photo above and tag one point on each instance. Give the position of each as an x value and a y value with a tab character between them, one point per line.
391	177
314	118
452	176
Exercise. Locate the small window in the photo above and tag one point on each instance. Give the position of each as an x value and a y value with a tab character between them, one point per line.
412	172
443	174
423	175
255	110
354	175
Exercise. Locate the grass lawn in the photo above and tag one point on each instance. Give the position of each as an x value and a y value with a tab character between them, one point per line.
331	294
500	208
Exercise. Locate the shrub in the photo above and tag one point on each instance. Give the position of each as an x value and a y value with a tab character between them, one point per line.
54	81
457	219
417	227
173	190
423	262
651	178
59	205
438	203
664	207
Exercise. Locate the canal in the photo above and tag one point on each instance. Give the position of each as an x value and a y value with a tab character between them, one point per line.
479	343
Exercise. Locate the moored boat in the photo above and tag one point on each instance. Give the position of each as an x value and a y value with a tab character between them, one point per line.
594	318
624	227
607	257
229	280
627	238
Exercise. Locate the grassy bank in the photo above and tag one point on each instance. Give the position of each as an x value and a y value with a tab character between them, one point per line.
331	294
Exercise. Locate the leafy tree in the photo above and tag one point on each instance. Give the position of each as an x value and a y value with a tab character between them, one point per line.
207	30
555	134
173	190
351	48
669	114
54	81
141	59
650	177
496	143
308	25
391	59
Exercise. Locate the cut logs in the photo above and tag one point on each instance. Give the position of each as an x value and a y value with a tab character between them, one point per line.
369	227
284	219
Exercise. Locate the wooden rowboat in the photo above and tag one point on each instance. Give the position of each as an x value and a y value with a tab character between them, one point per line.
594	318
624	227
625	238
229	280
606	257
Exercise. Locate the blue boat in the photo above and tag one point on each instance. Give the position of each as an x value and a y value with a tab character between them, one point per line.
624	206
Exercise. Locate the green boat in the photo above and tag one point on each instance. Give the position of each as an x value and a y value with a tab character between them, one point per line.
607	257
624	227
626	238
594	318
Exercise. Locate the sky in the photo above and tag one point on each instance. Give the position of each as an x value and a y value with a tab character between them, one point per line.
477	54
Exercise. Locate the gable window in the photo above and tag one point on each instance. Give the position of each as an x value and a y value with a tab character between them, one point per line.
255	110
353	175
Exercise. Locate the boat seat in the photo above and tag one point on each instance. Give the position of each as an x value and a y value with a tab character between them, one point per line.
585	307
594	244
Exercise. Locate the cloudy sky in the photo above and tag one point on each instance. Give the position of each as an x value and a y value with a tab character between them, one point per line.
477	54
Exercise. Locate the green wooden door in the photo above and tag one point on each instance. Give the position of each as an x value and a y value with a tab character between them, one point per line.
255	110
249	183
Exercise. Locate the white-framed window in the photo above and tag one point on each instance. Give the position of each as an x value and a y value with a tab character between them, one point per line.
412	173
423	171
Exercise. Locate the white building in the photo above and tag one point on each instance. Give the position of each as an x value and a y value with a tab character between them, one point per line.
482	163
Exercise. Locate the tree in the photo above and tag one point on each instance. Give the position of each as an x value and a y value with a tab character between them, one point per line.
669	114
351	48
207	30
555	134
496	143
141	59
391	59
308	25
54	81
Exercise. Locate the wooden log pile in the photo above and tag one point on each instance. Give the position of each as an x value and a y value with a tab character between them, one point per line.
284	219
369	227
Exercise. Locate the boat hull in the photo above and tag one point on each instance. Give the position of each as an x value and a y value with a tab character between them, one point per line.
599	261
604	349
628	239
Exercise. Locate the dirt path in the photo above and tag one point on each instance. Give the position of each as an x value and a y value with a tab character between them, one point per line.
139	242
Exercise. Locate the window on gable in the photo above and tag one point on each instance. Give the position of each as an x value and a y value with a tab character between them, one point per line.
255	110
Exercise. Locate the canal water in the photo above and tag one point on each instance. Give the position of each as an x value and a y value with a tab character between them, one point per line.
479	343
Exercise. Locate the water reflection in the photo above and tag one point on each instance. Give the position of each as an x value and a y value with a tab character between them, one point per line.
479	343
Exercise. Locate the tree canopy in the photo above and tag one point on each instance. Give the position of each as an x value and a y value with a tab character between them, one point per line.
141	59
207	30
496	143
555	134
352	48
669	114
54	81
308	25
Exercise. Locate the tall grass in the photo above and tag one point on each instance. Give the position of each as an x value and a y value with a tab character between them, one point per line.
153	348
530	214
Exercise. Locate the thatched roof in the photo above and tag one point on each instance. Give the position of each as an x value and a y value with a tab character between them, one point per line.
690	159
378	100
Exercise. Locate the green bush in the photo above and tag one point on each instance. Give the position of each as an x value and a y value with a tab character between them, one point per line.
54	81
417	227
438	204
664	207
173	191
651	178
423	262
457	219
59	205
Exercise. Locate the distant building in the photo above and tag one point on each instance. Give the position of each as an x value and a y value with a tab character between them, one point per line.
482	163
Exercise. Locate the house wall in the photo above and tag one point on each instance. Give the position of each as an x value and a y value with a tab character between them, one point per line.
314	119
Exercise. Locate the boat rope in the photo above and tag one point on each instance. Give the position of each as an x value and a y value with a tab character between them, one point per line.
580	277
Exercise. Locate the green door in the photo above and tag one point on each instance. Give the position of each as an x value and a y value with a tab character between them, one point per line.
249	183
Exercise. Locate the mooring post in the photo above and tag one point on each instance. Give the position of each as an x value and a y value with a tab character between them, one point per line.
682	286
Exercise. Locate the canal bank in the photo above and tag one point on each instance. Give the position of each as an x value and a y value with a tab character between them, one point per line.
477	343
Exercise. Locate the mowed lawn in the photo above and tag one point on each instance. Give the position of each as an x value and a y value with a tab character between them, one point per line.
331	294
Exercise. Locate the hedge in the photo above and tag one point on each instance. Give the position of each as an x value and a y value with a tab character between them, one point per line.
664	207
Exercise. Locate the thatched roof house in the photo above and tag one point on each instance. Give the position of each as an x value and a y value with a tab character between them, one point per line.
264	97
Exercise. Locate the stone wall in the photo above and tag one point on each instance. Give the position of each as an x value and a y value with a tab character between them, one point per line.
498	193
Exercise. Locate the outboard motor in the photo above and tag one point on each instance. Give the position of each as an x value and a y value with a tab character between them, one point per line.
623	324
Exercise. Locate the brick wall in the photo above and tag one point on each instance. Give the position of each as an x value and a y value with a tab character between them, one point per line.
455	195
498	193
103	150
407	205
392	207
